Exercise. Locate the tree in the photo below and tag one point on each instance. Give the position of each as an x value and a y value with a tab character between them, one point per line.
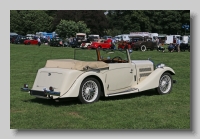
94	19
32	21
70	28
15	22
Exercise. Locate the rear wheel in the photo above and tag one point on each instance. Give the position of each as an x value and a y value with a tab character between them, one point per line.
165	84
89	91
143	48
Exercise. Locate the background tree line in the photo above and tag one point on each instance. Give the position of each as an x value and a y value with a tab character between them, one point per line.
110	22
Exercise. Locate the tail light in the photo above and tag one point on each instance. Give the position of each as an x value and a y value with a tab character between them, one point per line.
25	85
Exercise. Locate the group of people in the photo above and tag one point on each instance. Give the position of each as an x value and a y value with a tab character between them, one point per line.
43	39
174	46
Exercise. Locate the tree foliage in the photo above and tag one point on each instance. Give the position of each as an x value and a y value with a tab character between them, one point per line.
30	21
113	23
95	19
70	28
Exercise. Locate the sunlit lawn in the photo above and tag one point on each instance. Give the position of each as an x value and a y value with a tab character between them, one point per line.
145	110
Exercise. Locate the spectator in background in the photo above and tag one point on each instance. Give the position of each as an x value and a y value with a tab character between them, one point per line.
157	41
178	44
48	39
39	42
112	43
171	48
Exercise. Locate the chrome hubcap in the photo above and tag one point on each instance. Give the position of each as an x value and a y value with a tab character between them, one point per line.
89	91
165	84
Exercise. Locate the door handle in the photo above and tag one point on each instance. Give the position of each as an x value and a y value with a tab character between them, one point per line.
131	71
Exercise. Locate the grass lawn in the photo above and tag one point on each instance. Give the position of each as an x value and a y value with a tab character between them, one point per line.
145	110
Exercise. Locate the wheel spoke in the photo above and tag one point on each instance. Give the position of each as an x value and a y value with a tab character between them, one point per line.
165	84
89	91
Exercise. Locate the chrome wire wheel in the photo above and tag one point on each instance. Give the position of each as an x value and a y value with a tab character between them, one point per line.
165	84
89	90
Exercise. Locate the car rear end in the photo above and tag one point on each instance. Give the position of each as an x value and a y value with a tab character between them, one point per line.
52	83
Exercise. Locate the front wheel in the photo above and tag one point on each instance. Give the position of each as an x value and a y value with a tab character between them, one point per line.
89	91
165	84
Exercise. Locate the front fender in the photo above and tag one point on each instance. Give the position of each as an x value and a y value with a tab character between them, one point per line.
74	89
152	81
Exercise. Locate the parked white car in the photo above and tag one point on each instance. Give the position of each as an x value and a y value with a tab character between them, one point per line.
105	73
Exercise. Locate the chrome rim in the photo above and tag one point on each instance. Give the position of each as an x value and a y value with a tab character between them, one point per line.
143	48
89	91
165	84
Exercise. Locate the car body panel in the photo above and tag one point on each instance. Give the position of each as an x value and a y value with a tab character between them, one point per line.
104	45
32	42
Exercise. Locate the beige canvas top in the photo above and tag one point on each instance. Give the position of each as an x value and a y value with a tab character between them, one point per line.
75	64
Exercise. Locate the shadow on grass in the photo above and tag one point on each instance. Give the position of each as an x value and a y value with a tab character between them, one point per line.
75	101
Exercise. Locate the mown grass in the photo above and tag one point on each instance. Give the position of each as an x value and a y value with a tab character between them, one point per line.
145	110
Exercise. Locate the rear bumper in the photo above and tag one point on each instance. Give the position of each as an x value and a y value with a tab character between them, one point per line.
25	89
45	93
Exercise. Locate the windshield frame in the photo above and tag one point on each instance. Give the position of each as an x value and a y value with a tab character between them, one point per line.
101	52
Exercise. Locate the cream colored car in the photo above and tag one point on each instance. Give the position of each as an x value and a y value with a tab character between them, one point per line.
109	73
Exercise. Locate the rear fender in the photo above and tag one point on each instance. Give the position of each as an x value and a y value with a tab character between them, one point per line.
74	89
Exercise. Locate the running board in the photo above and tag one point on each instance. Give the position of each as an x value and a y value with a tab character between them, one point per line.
129	91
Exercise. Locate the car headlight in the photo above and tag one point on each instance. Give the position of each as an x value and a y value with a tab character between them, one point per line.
160	65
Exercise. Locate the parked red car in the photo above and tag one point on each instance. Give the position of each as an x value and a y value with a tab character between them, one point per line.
101	44
33	42
124	45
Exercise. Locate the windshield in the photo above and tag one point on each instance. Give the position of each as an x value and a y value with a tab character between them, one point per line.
136	39
81	37
114	54
105	55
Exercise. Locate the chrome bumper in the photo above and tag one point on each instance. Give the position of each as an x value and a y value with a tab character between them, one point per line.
52	93
25	89
45	93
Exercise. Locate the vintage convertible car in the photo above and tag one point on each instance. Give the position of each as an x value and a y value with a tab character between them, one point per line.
32	41
57	42
20	39
109	73
86	43
101	43
142	43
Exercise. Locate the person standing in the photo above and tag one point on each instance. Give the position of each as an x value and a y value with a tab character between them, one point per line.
157	42
39	42
178	44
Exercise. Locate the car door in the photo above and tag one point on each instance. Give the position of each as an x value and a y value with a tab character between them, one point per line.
119	76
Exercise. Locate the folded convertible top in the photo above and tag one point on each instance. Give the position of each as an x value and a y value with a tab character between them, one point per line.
75	64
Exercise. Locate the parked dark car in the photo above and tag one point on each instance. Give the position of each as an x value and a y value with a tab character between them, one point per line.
44	40
74	43
142	43
12	38
183	47
20	39
56	42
